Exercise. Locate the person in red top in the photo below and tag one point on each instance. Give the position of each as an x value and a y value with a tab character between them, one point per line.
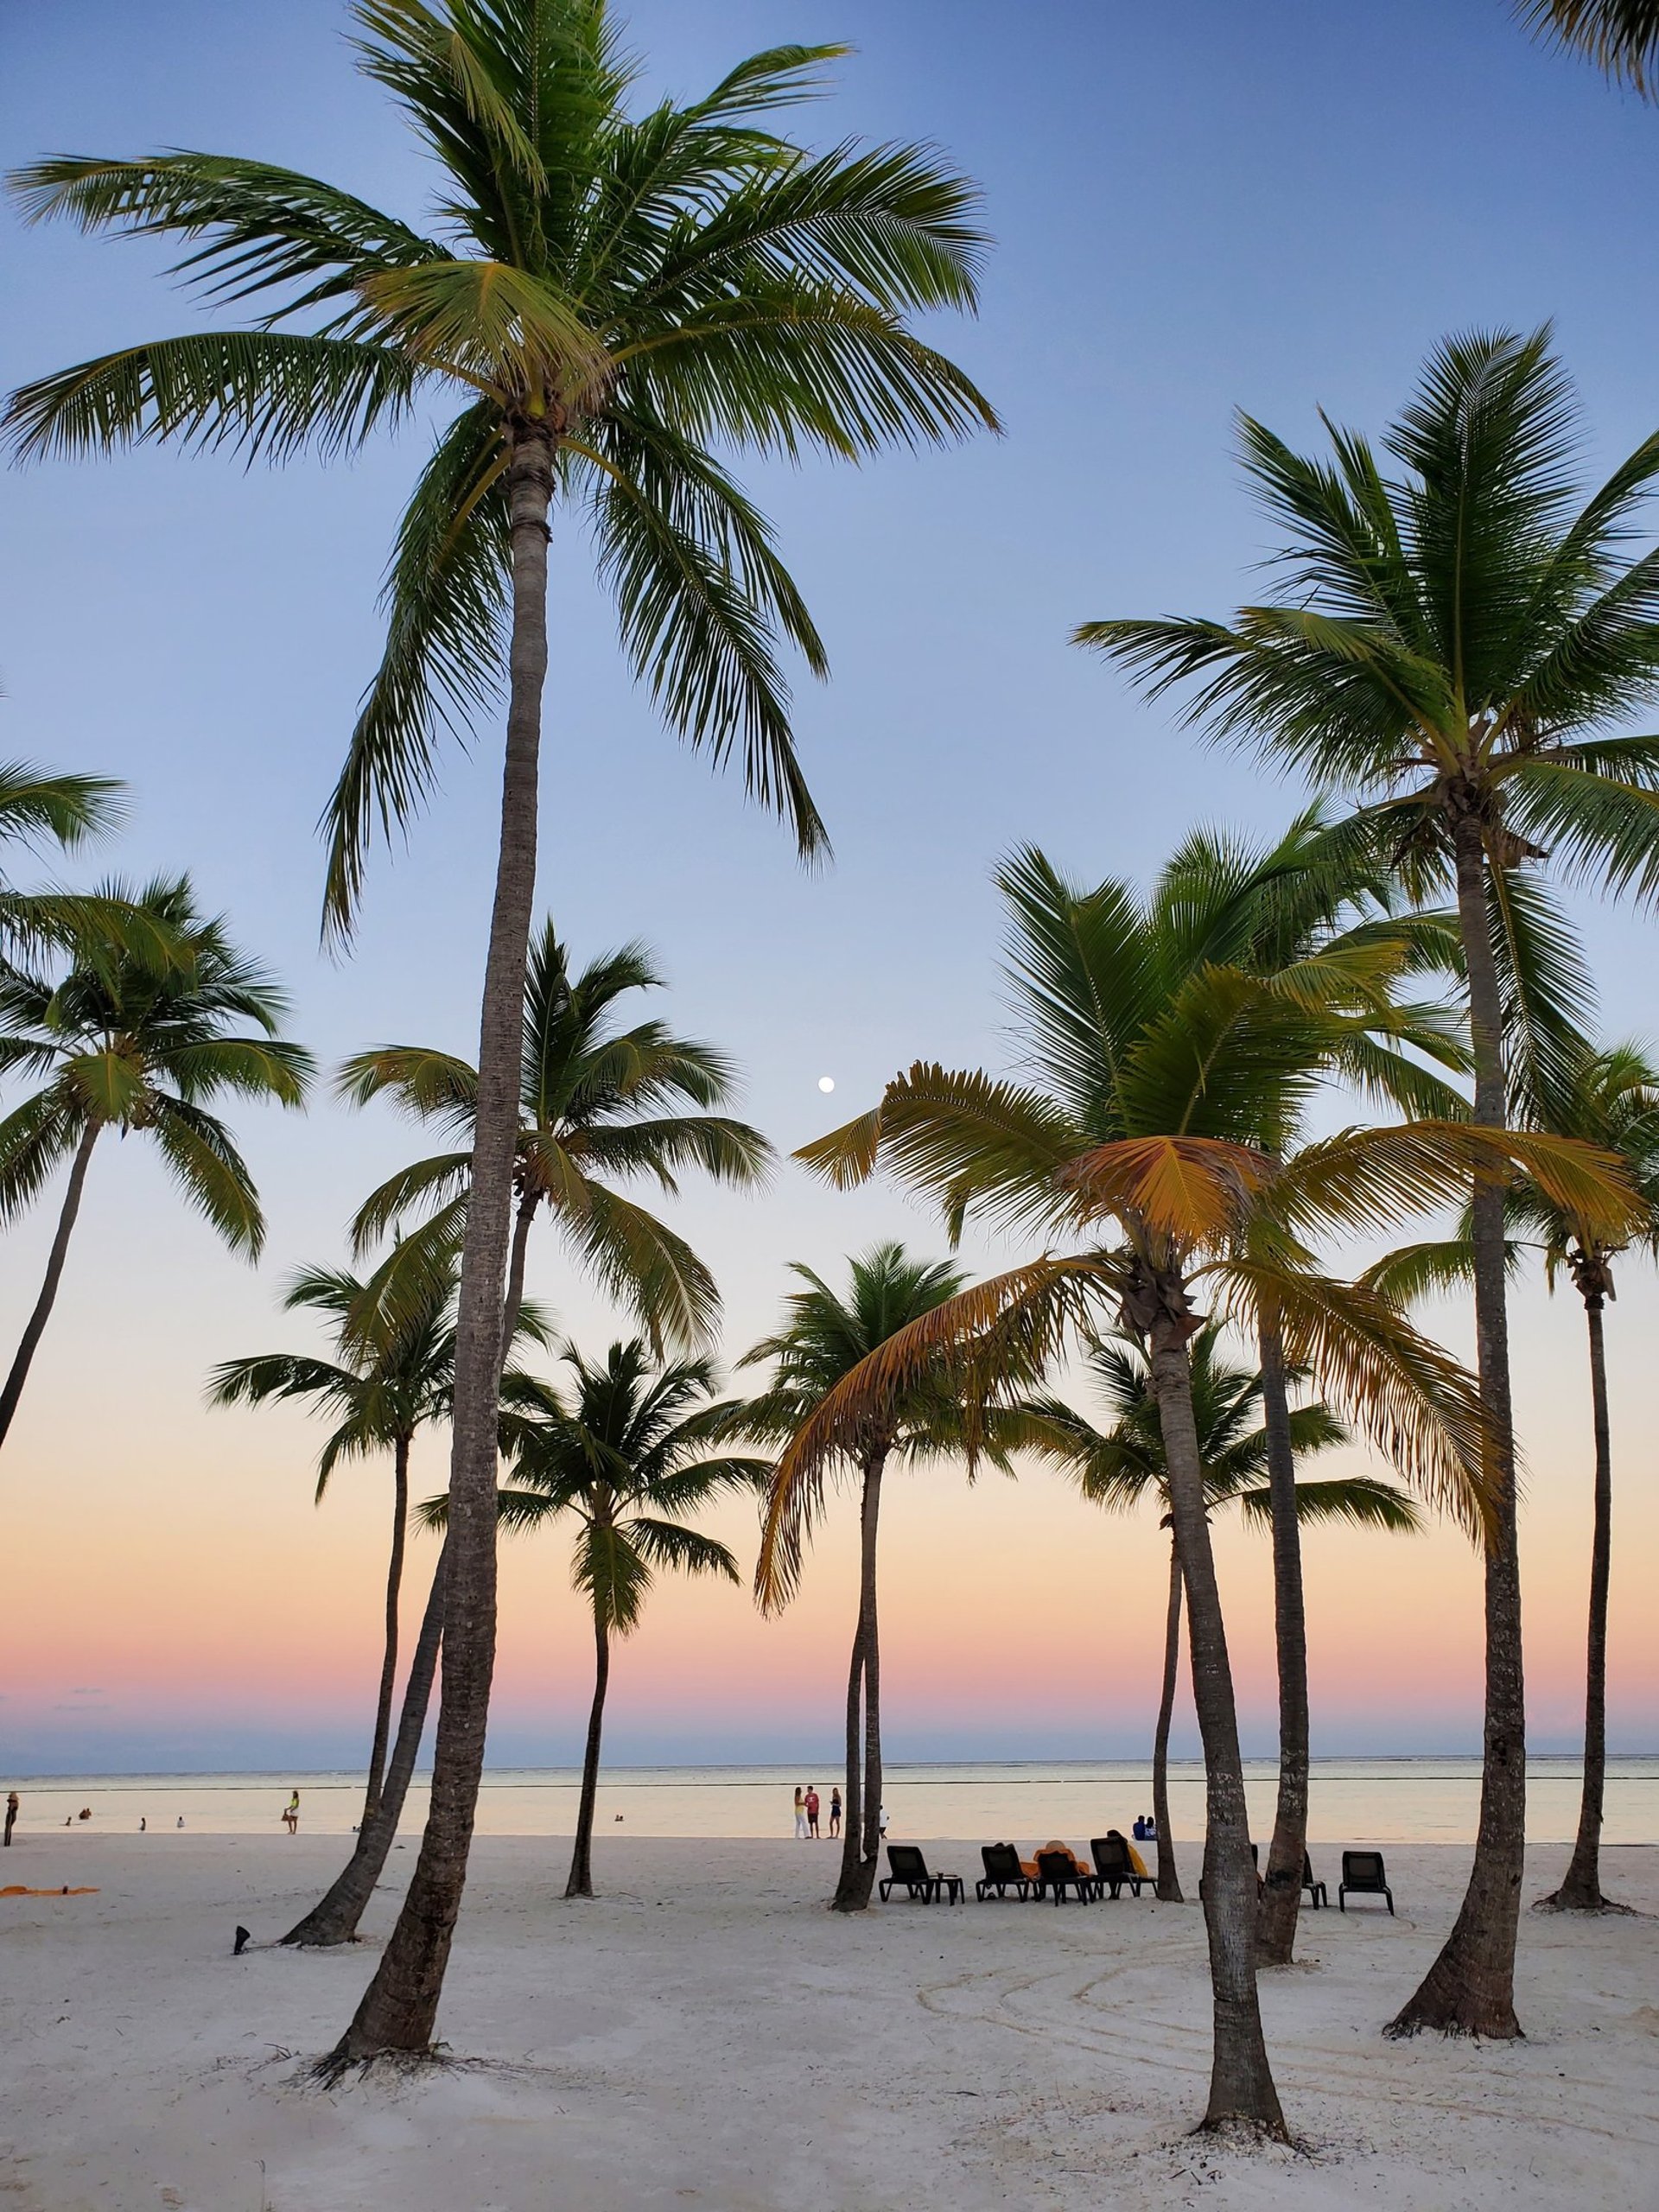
812	1807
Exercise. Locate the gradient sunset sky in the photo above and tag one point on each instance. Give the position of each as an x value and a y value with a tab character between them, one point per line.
1197	207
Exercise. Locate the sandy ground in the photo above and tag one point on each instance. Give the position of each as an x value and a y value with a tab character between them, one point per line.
705	2034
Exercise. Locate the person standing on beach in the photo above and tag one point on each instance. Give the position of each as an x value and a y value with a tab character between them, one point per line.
800	1813
812	1809
834	1814
291	1814
11	1816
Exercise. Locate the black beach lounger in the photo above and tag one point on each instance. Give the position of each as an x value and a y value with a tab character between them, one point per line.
1362	1876
908	1870
1113	1865
1319	1895
1059	1873
1003	1872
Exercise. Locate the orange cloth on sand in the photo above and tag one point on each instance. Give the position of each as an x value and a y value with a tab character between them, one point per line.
17	1890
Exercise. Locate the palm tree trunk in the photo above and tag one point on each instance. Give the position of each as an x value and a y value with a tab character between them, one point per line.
1281	1895
399	2008
333	1918
852	1824
859	1857
1581	1891
1470	1989
1168	1885
389	1663
515	1297
1241	2080
38	1319
581	1883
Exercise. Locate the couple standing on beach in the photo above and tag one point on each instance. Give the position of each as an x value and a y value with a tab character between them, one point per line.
806	1812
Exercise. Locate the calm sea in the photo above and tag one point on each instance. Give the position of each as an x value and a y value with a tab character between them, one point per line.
1354	1801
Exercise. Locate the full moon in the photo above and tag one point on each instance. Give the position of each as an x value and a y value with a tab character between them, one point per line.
826	1083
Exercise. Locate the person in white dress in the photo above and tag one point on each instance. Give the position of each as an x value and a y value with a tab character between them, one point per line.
800	1815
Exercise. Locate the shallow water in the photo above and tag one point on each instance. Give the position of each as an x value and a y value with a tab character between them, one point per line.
1353	1801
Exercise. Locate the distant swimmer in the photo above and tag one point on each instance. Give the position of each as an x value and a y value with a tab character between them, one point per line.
291	1814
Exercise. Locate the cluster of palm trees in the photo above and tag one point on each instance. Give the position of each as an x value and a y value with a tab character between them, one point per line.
612	299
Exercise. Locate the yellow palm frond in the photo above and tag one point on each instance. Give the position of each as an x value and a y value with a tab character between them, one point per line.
996	1335
1190	1190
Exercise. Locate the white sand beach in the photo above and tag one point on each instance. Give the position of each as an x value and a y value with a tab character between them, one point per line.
704	2033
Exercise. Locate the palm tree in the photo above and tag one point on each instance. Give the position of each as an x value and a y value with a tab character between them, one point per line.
394	1375
826	1335
610	297
64	811
1621	37
126	1045
1609	1099
1121	1466
1448	645
597	1103
1151	1070
625	1454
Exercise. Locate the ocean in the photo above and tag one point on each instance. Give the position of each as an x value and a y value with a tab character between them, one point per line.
1354	1801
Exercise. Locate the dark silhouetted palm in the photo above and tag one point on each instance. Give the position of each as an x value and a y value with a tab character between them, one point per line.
598	1104
139	1048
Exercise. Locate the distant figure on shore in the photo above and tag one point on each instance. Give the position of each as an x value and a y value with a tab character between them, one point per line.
143	1824
800	1813
85	1814
11	1816
881	1820
181	1820
291	1814
1146	1829
835	1812
812	1808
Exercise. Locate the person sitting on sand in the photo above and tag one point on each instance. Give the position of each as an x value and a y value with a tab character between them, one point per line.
835	1812
291	1814
800	1813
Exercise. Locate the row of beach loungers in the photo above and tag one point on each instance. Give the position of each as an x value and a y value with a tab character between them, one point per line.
1059	1873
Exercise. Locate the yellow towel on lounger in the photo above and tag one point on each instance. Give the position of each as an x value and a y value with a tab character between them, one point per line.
1138	1863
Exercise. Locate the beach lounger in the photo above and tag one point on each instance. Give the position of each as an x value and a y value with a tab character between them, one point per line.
1058	1871
1114	1866
1318	1894
1363	1875
1003	1872
908	1870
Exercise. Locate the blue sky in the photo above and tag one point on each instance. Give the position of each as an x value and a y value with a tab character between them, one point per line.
1196	209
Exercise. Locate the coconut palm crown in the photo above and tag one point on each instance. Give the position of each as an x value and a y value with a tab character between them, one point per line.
641	285
598	1105
119	1044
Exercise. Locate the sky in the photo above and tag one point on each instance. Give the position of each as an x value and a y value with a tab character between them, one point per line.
1196	209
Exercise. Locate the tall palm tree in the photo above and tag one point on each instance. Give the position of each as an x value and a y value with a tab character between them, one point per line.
1311	892
611	295
1609	1099
1132	1145
598	1103
1121	1466
624	1453
1621	37
394	1375
127	1045
1449	645
825	1335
